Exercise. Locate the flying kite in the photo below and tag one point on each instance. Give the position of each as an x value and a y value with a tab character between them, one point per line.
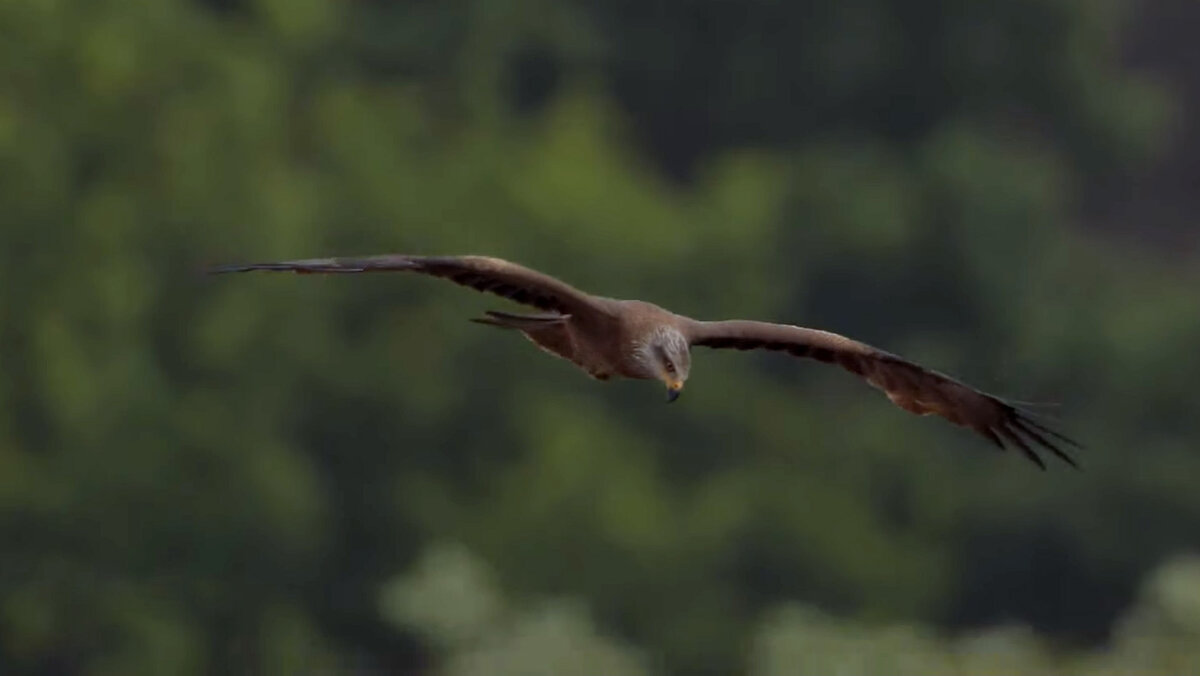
609	338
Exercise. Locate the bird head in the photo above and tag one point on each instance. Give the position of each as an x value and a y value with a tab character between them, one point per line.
667	357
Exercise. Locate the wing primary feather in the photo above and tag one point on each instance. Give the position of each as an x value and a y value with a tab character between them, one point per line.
1021	425
1057	435
1020	443
324	265
1030	406
990	435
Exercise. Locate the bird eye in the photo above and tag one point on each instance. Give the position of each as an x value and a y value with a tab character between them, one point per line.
670	367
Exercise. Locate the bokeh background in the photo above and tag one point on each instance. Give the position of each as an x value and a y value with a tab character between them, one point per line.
340	475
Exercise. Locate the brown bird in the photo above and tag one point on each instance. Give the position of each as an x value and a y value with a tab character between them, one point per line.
607	337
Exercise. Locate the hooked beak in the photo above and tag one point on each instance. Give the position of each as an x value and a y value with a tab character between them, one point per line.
673	390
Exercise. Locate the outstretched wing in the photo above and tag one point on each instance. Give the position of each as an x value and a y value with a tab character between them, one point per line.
481	273
910	386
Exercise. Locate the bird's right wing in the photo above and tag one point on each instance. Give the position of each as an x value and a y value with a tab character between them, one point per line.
482	273
910	386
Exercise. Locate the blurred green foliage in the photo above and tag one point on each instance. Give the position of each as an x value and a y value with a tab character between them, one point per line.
441	600
226	476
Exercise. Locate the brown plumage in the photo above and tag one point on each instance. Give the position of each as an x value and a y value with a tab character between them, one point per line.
627	338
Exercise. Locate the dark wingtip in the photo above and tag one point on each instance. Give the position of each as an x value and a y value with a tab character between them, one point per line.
487	321
991	436
1024	426
298	267
222	269
1061	437
1021	431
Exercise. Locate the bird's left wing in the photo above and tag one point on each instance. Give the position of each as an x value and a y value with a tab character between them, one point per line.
909	385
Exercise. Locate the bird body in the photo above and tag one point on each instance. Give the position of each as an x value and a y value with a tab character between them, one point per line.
604	345
608	338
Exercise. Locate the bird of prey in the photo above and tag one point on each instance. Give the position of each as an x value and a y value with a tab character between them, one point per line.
610	338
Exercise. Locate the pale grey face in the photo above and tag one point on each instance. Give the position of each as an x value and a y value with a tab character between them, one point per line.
667	357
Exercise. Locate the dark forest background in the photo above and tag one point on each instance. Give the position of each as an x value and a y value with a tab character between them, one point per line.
306	475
